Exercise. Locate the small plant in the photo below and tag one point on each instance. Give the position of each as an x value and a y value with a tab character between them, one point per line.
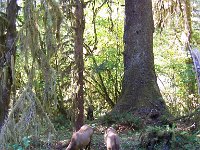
186	140
17	147
24	144
156	137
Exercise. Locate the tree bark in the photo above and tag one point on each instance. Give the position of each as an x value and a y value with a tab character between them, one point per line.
187	19
139	90
7	78
79	63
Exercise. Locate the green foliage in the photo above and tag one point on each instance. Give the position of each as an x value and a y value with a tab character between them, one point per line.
61	122
174	67
196	38
184	139
176	138
176	76
17	147
24	144
103	59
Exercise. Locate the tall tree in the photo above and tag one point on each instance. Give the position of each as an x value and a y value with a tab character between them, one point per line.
79	63
140	91
6	79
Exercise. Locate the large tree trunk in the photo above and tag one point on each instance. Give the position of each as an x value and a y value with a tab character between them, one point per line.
79	30
6	79
140	91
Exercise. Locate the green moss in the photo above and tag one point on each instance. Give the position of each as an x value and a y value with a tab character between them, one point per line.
123	118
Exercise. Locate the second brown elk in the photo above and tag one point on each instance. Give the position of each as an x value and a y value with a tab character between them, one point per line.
81	139
111	139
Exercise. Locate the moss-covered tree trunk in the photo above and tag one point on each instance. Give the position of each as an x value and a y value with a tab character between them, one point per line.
79	64
6	79
188	31
2	62
140	91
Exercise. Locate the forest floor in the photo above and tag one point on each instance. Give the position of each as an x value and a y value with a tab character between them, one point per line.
133	135
179	136
129	139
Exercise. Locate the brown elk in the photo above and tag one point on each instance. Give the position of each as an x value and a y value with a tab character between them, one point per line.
111	139
81	139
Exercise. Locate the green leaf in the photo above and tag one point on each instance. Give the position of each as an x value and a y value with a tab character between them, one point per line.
26	142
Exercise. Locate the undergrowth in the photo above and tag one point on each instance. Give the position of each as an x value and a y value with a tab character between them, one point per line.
126	119
132	137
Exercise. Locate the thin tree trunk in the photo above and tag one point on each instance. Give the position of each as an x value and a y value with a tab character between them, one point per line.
79	30
3	26
7	79
187	19
188	32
